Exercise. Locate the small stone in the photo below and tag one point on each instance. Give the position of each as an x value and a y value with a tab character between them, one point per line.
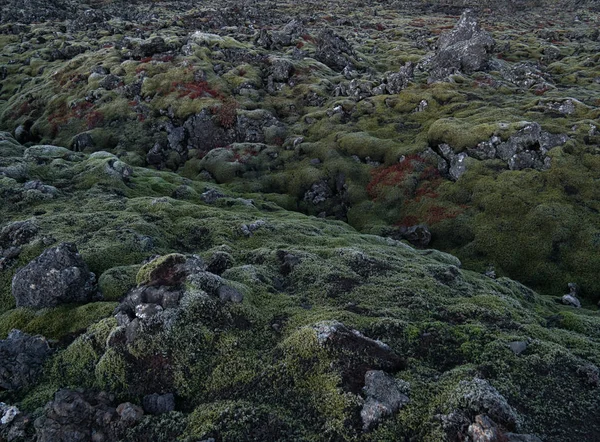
211	196
17	233
384	396
484	430
418	235
159	403
8	413
571	300
517	347
129	413
227	293
146	311
490	272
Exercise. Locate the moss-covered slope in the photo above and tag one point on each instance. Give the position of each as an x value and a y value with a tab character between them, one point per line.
279	365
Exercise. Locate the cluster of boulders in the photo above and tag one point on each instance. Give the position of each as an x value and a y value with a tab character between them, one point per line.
359	88
59	276
482	414
31	11
287	36
367	367
203	132
526	149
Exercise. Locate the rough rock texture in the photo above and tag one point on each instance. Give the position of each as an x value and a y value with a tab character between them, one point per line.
333	50
465	49
528	148
473	399
21	359
384	396
14	425
357	353
12	237
57	276
478	395
159	403
17	233
76	416
419	236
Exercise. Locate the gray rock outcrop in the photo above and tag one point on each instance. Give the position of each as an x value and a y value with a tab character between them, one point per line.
58	276
465	49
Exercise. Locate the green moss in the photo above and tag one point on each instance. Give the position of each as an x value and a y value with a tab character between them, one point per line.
461	133
59	322
306	369
364	145
237	420
15	319
116	282
222	165
111	371
148	272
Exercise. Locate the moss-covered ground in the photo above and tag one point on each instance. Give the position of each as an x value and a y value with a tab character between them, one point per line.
540	228
255	370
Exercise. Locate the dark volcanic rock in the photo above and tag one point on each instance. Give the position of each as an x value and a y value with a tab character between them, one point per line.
21	359
477	397
398	81
145	302
15	425
168	270
159	403
57	276
356	354
384	396
82	141
204	133
528	148
281	69
211	196
318	193
31	11
418	235
17	233
219	262
110	82
465	49
81	416
227	293
333	50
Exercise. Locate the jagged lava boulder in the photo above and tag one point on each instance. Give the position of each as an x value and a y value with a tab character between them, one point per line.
466	48
58	276
21	359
